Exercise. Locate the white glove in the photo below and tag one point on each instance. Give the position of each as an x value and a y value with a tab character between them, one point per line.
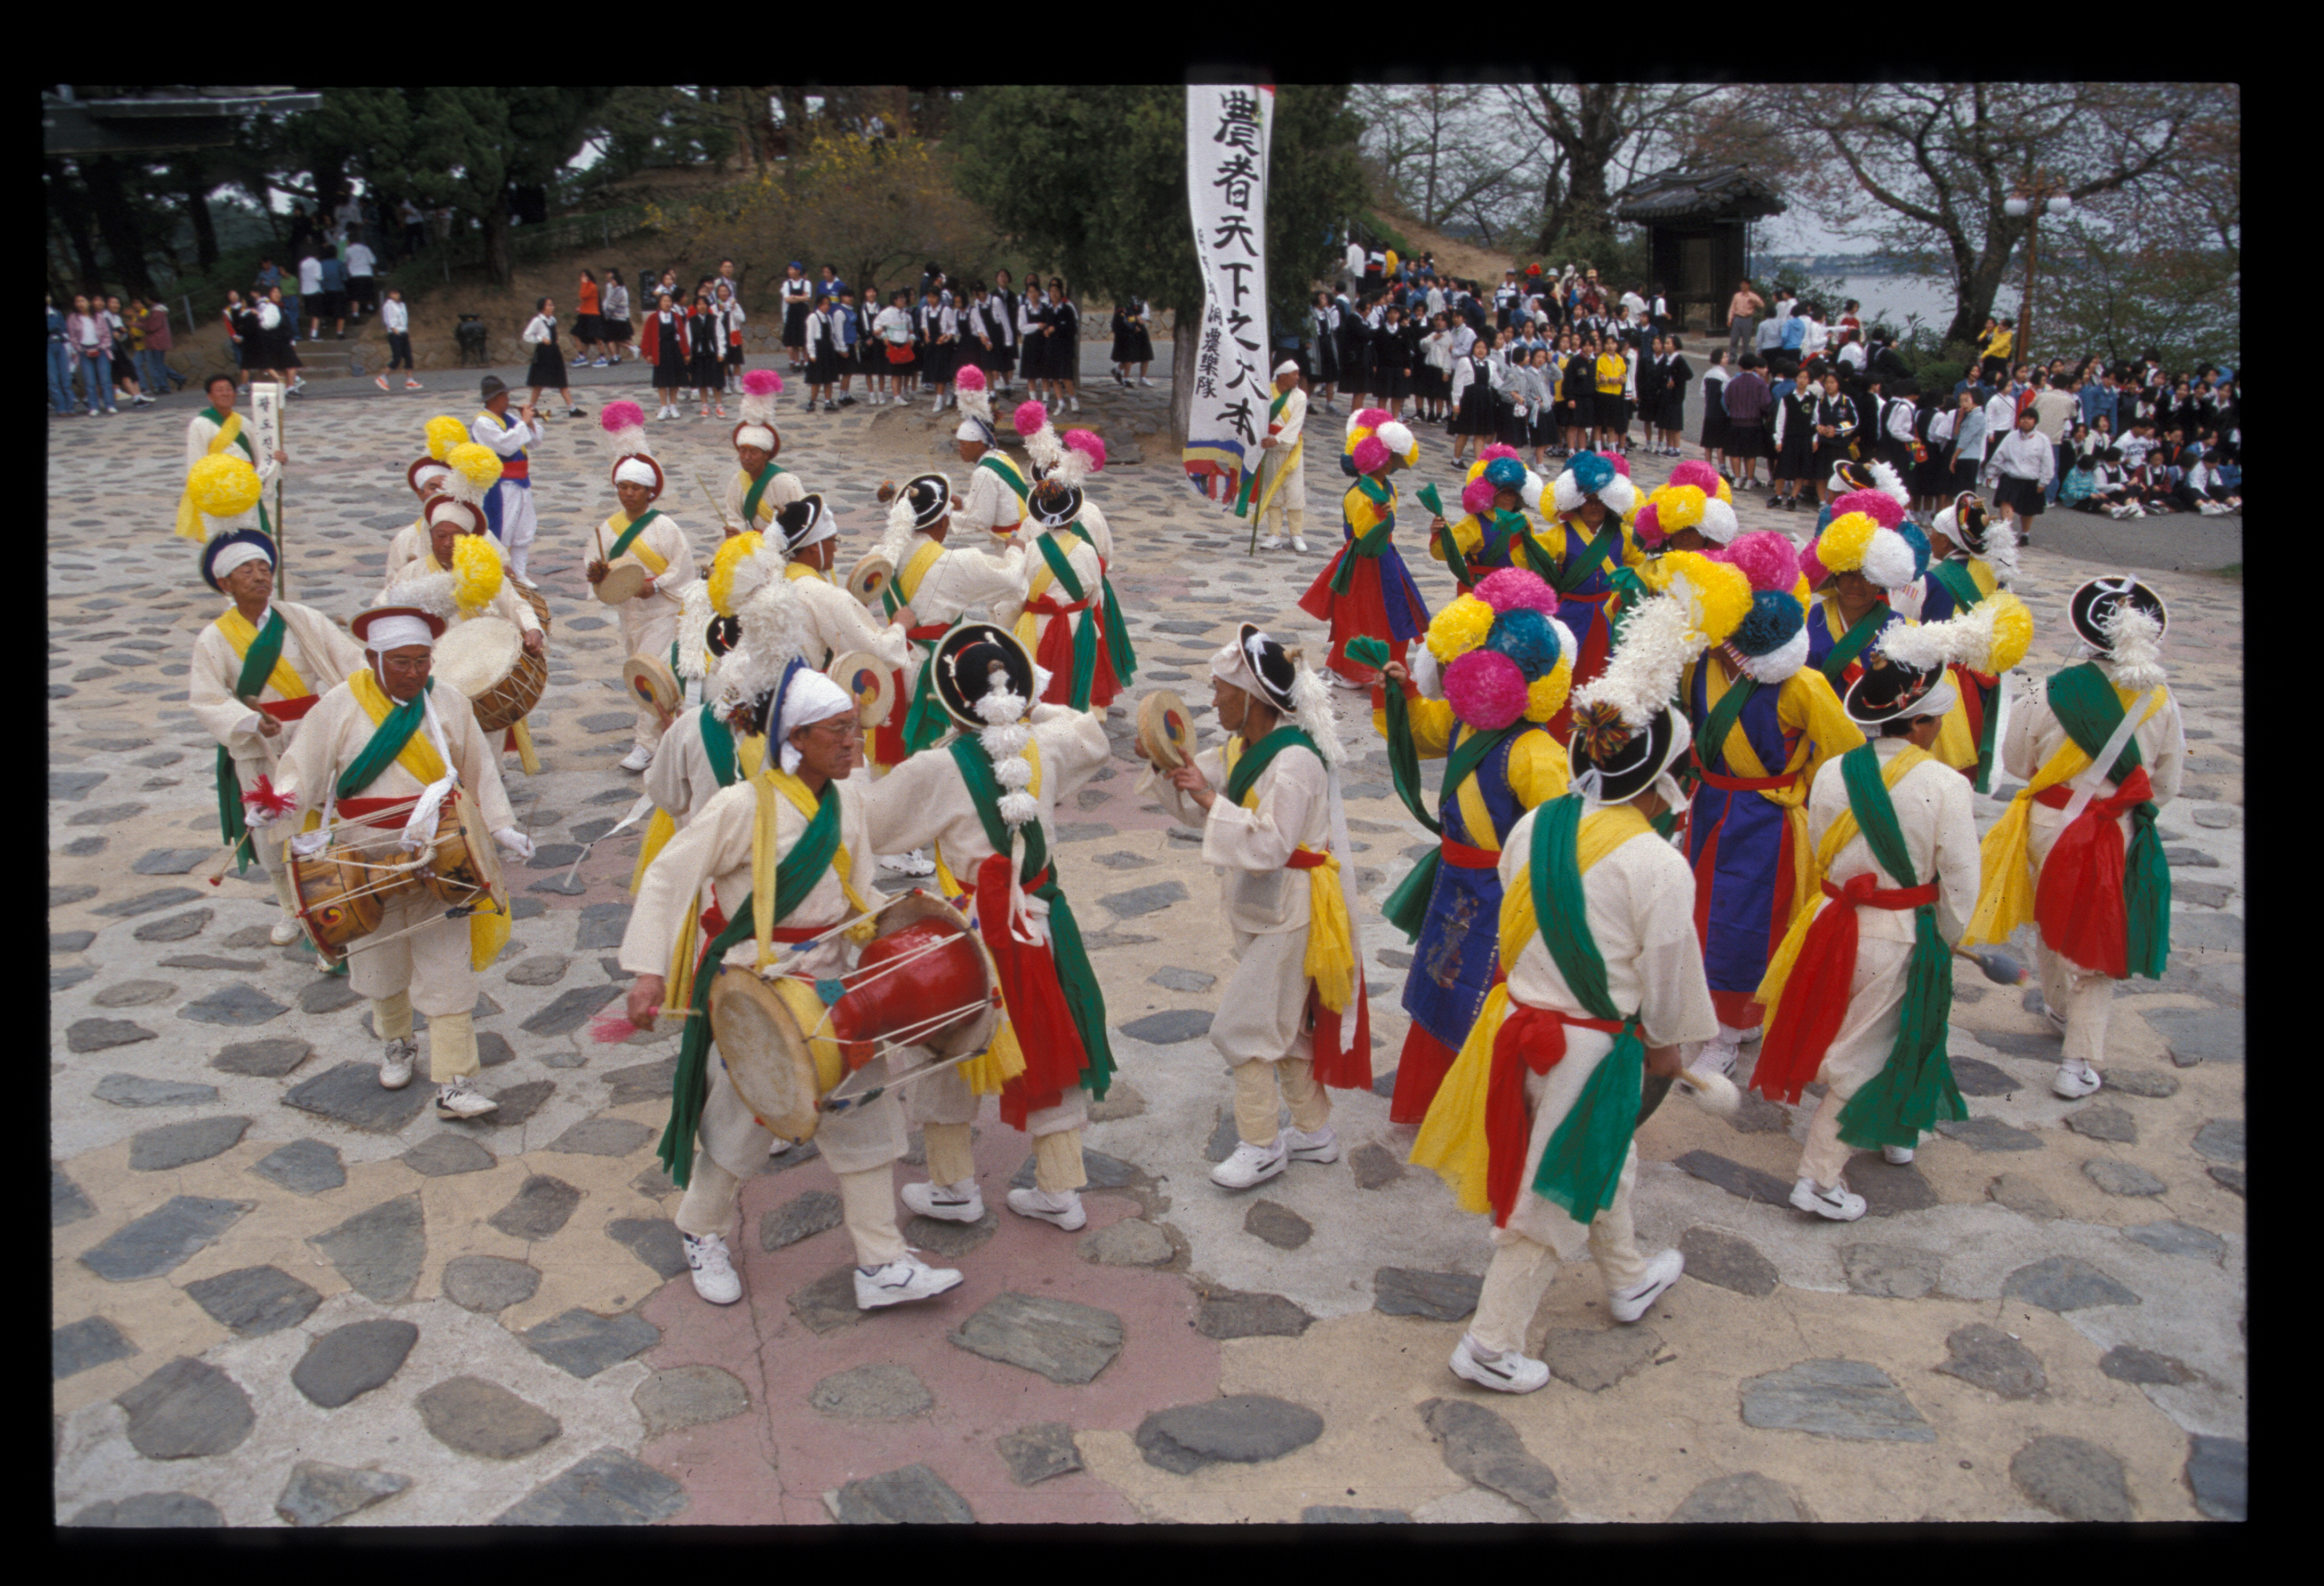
514	841
306	844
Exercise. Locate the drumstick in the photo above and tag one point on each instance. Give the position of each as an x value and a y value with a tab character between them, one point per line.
716	505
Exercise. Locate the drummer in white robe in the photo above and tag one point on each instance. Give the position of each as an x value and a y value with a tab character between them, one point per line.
1282	488
450	521
1263	1027
426	477
814	721
927	800
639	535
257	727
415	958
806	538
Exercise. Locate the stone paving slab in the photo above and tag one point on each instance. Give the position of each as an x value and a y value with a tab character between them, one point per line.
504	1231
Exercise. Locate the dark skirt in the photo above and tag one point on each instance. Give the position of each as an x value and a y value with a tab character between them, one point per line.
733	358
2023	496
1671	412
1829	454
1515	431
613	331
1133	346
1326	363
1743	440
1797	458
1933	477
281	348
1001	360
937	361
1964	475
1613	413
669	374
1478	413
1714	417
1582	411
547	365
703	373
588	329
795	325
824	368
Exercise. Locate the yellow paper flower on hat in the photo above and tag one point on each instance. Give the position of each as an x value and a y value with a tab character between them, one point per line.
1842	546
1458	629
1717	594
2012	632
1545	696
475	572
223	486
731	556
1654	573
1678	506
444	433
480	466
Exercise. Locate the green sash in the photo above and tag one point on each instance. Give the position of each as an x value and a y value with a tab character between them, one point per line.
257	665
1250	475
1723	716
1631	593
1371	542
718	743
758	488
633	532
1955	576
1407	907
1578	569
1257	758
1075	977
796	875
1117	635
1581	1166
1402	754
1006	471
387	742
1851	644
1914	1088
2085	705
1085	636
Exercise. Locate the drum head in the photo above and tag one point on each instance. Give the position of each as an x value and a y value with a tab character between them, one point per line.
536	600
621	582
650	682
335	903
1166	729
474	655
871	578
869	679
758	1024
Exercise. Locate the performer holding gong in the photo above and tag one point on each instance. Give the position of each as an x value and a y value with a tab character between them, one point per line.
640	560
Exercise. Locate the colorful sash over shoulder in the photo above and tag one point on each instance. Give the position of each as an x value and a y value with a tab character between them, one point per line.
262	667
396	739
907	733
1860	633
999	465
627	541
1057	1013
230	433
788	878
2108	911
752	497
1287	467
1368	543
1475	1134
1806	991
1342	1055
1966	741
1079	659
730	762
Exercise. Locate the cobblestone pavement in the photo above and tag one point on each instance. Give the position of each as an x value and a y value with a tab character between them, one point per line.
281	1295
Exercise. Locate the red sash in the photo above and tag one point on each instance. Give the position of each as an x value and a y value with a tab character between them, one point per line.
1736	784
1815	997
1460	856
714	921
363	809
2078	901
518	468
292	710
1530	1038
888	737
1343	1065
1055	650
1028	971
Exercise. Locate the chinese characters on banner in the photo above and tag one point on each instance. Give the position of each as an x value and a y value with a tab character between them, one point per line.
1227	129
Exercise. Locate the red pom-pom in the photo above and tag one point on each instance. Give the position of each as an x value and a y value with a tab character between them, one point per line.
1695	471
1485	689
1764	557
1876	504
1648	526
968	377
1032	418
264	797
1621	463
1514	589
1498	450
1811	567
1371	454
1477	497
1372	417
763	382
623	415
1090	444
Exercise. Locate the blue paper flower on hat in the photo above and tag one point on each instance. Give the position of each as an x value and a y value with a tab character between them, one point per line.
1593	472
1918	539
1774	618
1505	474
1527	637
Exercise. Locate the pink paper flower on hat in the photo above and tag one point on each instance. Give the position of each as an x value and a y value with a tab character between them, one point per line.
1648	526
763	382
1695	471
1477	497
1371	454
1876	504
1514	589
1031	417
1498	450
1764	557
622	415
968	377
1485	689
1621	463
1371	418
1812	565
1087	442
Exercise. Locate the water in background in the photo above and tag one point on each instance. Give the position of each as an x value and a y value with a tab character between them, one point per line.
1895	298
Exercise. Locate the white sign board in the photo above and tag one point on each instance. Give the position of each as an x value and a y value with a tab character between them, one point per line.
1228	130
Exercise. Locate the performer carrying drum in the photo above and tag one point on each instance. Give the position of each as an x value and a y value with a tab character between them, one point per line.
821	864
640	560
397	766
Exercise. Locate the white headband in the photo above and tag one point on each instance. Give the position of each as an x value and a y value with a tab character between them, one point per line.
386	633
757	435
812	697
634	471
1288	366
235	555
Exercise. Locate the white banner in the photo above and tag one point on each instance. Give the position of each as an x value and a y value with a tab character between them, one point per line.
265	424
1228	131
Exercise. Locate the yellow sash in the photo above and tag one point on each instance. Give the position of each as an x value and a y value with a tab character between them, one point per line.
1290	467
2004	890
795	571
765	850
488	932
242	634
1841	832
915	567
189	520
1956	745
1452	1142
1331	960
654	564
750	753
1028	623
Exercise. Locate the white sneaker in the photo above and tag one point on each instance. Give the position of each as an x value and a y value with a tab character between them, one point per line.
2076	1080
936	406
900	1281
1272	542
1898	1155
915	863
1506	1372
396	1064
1323	1146
1064	1207
1836	1203
714	1277
1628	1305
1076	402
947	1202
1297	543
286	931
1718	1057
1143	381
637	759
1250	1164
462	1099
